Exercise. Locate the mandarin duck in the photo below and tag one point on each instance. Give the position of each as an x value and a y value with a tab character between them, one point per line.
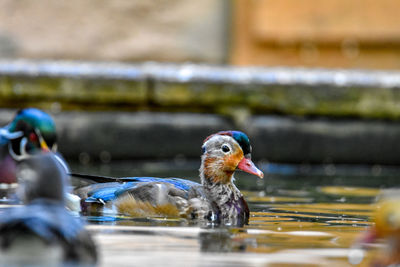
43	232
386	230
216	198
30	131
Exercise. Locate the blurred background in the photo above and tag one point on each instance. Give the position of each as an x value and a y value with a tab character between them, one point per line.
310	82
338	33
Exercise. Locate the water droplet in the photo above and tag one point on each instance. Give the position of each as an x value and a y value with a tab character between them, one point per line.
17	89
105	156
330	169
376	170
84	158
356	256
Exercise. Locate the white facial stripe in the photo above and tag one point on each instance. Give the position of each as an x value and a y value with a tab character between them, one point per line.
39	135
10	135
22	148
220	139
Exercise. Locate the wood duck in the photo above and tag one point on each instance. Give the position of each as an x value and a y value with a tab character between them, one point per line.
43	232
30	131
216	198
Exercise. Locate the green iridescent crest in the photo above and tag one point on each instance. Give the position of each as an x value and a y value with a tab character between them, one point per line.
36	118
243	141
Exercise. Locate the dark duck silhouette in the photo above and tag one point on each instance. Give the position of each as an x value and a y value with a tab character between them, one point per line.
216	198
30	131
43	232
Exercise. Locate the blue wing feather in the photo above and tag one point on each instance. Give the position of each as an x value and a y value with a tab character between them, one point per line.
110	191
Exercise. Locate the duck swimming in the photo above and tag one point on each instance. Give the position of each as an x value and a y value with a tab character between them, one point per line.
30	131
43	233
386	230
216	198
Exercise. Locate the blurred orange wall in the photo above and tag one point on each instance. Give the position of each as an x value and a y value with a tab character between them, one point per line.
326	33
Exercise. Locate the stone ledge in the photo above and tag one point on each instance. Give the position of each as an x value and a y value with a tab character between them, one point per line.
200	88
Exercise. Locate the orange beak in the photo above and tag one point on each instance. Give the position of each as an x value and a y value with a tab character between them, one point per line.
42	142
44	146
248	166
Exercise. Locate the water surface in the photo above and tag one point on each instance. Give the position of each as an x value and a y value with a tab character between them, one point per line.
300	215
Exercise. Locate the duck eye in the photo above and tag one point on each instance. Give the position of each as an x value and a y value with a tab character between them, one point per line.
33	137
225	148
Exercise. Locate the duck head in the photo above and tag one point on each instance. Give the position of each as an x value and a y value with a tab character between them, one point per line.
37	133
224	153
386	229
387	218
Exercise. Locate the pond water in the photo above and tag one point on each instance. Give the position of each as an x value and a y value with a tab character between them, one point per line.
301	215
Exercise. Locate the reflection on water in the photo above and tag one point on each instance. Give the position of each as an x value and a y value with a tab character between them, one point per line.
282	230
307	220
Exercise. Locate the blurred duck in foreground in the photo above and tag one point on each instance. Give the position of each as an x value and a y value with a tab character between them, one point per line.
216	198
30	131
43	233
386	230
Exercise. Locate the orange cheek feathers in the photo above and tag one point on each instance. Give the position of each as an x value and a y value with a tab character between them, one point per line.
233	160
